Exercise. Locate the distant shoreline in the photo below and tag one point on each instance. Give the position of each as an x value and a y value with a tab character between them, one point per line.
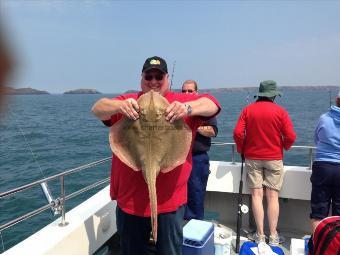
31	91
82	91
24	91
280	88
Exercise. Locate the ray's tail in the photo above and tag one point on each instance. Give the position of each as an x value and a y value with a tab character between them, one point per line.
151	181
152	170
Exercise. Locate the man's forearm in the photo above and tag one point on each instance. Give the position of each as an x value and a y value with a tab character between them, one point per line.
104	108
203	107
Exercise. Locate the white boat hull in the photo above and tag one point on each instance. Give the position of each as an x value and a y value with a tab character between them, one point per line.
90	225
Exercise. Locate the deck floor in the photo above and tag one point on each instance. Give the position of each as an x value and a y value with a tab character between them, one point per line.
112	246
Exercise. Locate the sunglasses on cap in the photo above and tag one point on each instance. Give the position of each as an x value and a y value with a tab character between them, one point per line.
158	77
188	90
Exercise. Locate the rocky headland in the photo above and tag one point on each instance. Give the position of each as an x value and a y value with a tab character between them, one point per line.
25	91
82	91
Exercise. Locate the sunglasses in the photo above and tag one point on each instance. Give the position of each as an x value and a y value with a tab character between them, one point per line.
158	77
188	90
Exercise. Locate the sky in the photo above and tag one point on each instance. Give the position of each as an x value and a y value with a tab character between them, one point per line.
64	45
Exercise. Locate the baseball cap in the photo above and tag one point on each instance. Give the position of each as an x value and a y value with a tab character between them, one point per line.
155	63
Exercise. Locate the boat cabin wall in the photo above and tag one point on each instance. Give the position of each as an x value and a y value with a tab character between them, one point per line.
222	196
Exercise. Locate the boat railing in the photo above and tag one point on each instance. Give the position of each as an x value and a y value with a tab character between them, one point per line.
233	146
58	204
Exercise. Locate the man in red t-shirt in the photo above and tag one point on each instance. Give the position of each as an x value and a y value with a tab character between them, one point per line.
129	188
262	131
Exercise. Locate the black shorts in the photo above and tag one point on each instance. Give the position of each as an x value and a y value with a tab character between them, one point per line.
325	189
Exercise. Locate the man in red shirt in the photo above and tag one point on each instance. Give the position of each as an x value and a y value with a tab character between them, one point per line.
129	188
262	131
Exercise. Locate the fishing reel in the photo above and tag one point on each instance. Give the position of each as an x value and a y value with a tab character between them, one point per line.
56	207
244	209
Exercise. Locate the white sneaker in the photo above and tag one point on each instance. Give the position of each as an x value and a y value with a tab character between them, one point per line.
255	237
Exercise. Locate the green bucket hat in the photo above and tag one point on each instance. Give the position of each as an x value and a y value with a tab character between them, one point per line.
268	89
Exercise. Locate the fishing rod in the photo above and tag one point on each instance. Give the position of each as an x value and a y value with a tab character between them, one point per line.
248	97
241	209
172	74
44	186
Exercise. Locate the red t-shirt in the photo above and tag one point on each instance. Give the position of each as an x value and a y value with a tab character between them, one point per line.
266	128
129	188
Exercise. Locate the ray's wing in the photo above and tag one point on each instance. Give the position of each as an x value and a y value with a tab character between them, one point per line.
125	142
178	142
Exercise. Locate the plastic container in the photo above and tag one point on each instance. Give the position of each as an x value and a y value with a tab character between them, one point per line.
198	238
222	248
297	247
222	240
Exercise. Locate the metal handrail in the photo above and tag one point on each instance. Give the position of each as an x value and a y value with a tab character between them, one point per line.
59	203
294	146
50	205
67	172
310	149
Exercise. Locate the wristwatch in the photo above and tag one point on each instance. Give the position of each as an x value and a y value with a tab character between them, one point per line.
189	109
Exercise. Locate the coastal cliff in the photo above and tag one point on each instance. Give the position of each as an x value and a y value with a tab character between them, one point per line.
25	91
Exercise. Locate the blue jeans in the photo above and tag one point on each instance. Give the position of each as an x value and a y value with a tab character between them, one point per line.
197	185
134	232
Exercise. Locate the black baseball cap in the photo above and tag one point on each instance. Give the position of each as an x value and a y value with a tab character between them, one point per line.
155	63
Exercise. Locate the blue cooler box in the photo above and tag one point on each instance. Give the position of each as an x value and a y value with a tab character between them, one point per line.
198	238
